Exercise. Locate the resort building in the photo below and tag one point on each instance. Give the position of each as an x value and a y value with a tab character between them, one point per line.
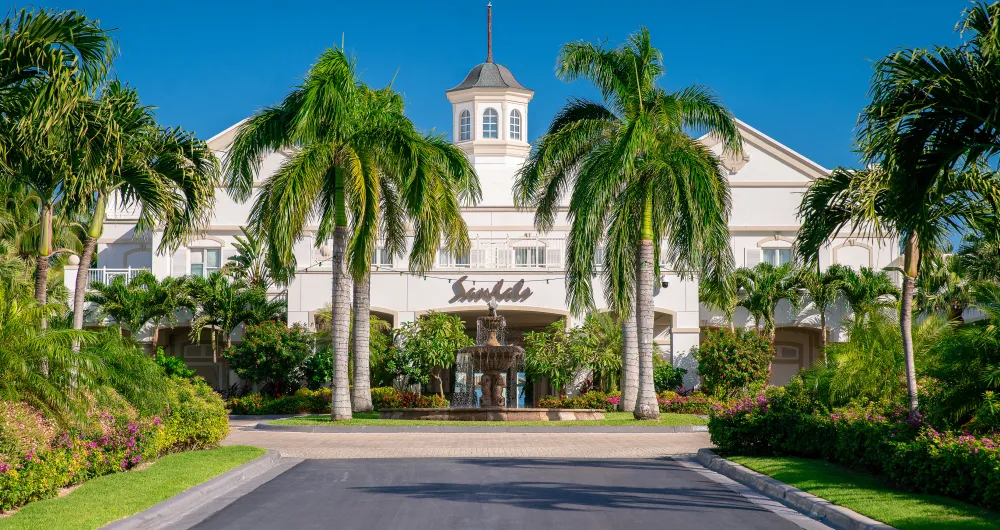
511	261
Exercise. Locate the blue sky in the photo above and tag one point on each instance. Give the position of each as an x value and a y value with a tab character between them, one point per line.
797	71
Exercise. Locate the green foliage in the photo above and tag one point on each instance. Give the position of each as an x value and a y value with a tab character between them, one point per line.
270	352
23	431
689	404
317	368
596	346
133	303
302	401
548	354
607	402
732	361
761	288
221	305
668	377
390	398
867	291
250	264
173	366
196	417
432	341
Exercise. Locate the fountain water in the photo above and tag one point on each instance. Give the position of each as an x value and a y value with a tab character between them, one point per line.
498	363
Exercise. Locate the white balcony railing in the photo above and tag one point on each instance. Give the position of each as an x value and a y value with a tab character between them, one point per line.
105	275
508	253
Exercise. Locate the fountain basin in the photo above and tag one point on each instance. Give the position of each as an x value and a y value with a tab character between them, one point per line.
491	414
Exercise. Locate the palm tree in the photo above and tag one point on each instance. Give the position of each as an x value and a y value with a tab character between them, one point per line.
221	305
133	303
250	264
869	204
762	287
941	288
720	294
360	170
866	290
979	255
823	288
639	183
169	173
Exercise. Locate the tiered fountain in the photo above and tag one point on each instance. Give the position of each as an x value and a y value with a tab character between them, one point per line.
497	365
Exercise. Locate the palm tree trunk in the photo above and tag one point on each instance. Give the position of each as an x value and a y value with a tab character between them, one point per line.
340	408
646	407
361	394
822	336
89	246
911	261
42	260
630	363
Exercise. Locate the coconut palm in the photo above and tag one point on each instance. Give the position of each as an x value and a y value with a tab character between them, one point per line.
823	288
360	171
168	173
639	182
250	264
762	287
869	204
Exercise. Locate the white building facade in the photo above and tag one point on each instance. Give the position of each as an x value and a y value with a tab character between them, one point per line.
510	259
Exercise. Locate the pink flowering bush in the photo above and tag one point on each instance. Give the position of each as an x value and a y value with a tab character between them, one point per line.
72	458
879	437
607	402
690	404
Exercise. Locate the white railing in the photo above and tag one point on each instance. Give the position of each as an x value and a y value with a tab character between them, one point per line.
117	209
508	253
105	275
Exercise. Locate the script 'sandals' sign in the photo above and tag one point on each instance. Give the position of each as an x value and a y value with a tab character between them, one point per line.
515	293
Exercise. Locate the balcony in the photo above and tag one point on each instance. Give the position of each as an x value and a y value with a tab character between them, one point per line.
543	253
105	275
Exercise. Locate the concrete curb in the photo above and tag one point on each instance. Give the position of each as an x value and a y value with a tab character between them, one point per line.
163	514
262	417
475	429
807	503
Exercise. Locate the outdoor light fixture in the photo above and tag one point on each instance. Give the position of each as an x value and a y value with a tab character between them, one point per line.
663	282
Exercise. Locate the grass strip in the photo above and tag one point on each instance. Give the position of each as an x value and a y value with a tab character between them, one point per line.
106	499
868	495
611	419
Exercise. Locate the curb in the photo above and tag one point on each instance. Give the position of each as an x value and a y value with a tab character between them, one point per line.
475	429
262	417
807	503
165	513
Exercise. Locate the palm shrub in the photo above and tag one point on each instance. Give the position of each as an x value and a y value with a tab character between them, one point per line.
142	300
866	290
762	287
271	353
640	184
730	362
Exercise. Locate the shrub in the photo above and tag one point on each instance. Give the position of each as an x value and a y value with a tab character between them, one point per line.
875	436
317	369
303	401
607	402
668	377
196	418
173	366
23	430
271	352
692	404
390	398
730	361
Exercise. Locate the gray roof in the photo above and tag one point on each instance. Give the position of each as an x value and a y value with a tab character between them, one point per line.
489	75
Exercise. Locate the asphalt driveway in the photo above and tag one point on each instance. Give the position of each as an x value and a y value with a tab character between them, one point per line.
482	493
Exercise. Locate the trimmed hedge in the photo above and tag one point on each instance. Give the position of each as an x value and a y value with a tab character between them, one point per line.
880	439
303	401
607	402
390	398
196	418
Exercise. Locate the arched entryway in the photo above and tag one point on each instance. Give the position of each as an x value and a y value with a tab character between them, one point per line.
795	348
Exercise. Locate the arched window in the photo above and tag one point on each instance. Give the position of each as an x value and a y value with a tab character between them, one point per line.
490	129
464	126
515	124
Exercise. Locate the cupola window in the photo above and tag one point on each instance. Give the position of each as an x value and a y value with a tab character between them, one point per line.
464	126
490	119
515	124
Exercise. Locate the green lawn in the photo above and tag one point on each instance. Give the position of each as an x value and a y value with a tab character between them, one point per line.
106	499
870	496
615	419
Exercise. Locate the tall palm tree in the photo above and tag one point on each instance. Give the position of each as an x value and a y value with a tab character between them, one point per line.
823	288
250	264
868	204
168	173
762	287
639	182
360	170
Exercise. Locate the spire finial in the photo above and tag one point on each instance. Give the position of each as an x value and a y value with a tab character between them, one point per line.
489	32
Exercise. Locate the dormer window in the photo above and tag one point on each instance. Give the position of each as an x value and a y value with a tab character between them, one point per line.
490	128
464	126
515	124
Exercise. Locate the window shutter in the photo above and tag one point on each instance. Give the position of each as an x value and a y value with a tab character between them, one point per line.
752	257
179	263
553	257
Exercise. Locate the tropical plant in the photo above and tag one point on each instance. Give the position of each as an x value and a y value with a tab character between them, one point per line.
762	287
823	288
167	173
979	254
639	182
866	290
173	366
133	303
359	171
270	353
250	263
720	293
871	203
596	346
668	377
547	354
731	362
221	305
433	340
941	288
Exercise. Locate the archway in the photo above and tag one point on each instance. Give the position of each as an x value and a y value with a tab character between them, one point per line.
795	348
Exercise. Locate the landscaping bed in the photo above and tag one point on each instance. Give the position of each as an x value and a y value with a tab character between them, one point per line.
109	498
870	496
611	419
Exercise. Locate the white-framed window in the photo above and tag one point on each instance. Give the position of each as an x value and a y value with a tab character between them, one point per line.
464	126
490	121
205	261
382	257
599	257
446	259
776	256
529	256
515	124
